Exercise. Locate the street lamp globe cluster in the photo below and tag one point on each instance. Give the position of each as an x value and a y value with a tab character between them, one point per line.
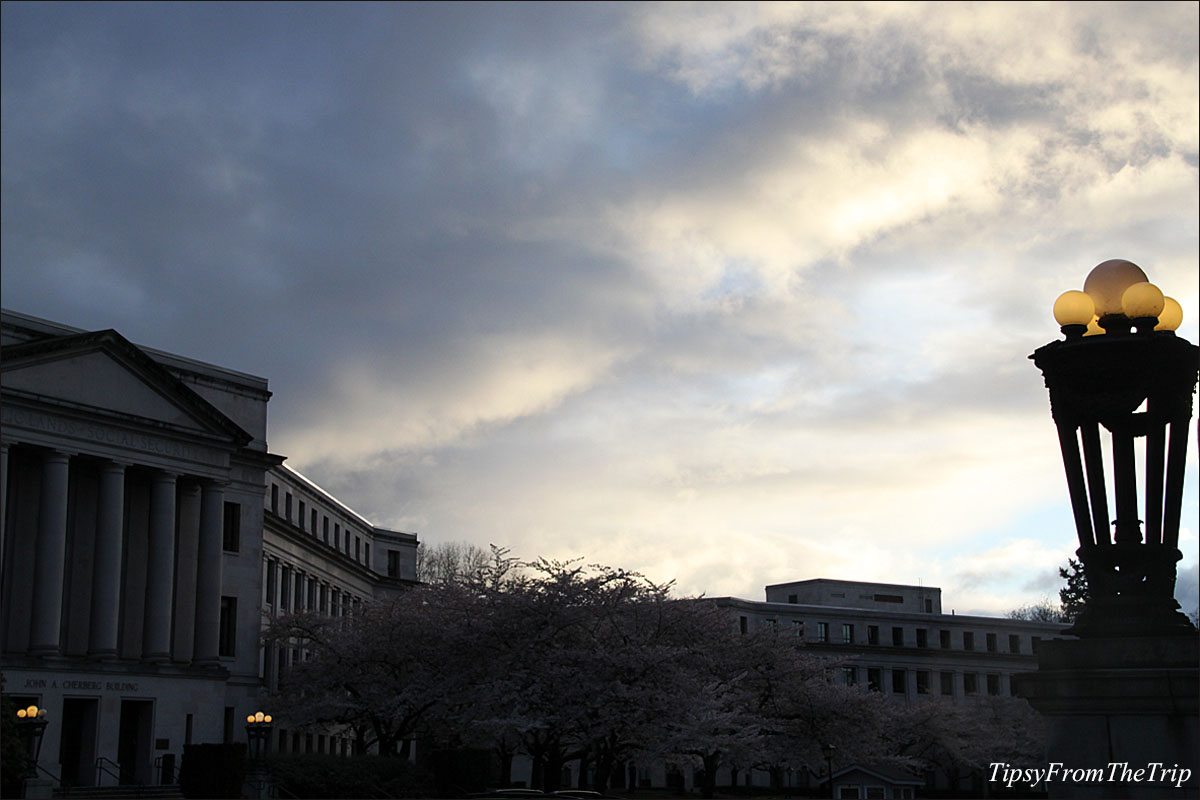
1122	374
258	731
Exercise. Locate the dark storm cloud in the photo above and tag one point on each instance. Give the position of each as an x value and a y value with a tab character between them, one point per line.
293	169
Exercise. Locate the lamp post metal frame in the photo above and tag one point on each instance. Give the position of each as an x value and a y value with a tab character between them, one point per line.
1133	385
32	731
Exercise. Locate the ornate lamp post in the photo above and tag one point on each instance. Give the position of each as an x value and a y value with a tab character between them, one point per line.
258	731
828	751
31	726
1122	371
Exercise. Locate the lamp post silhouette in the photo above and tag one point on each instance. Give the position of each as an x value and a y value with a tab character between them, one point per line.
31	727
258	731
828	750
1122	370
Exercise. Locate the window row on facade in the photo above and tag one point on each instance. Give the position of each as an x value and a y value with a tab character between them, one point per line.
908	682
336	534
850	633
288	588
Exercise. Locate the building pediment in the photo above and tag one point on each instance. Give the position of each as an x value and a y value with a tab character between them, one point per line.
104	375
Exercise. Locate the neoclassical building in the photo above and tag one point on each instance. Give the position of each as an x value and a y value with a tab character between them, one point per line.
145	535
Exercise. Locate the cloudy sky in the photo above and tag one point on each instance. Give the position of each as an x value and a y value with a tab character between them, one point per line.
731	294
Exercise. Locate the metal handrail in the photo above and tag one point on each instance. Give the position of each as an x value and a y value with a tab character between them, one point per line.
158	769
102	769
39	768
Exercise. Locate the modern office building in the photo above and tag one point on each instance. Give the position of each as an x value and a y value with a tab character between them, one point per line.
897	640
146	532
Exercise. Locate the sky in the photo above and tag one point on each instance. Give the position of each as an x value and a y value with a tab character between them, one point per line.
727	294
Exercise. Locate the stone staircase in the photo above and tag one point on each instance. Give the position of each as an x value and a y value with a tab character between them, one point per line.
165	792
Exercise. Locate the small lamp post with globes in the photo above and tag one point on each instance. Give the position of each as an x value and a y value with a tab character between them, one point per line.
31	727
1125	691
258	734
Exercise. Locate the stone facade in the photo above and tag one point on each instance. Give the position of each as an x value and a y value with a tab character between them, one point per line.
136	548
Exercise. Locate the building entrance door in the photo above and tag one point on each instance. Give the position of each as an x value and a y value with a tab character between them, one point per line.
77	748
133	743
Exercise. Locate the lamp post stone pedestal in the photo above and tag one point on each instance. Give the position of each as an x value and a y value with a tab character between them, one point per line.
1121	702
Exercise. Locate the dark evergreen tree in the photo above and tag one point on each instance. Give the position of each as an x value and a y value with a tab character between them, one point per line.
1073	597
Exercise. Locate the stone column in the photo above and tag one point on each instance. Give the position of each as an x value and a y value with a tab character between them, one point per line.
3	499
187	540
106	576
160	569
46	622
208	575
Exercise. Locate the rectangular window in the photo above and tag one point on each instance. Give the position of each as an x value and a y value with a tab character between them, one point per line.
874	679
325	529
1014	643
968	640
872	634
299	597
947	681
274	499
270	582
888	598
335	602
793	599
899	681
991	642
742	624
324	593
970	683
268	653
357	549
822	631
300	516
231	528
928	606
898	636
227	641
1033	643
850	675
798	628
367	554
311	594
944	639
337	536
922	682
285	589
922	637
287	506
313	520
393	567
993	685
847	634
770	623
